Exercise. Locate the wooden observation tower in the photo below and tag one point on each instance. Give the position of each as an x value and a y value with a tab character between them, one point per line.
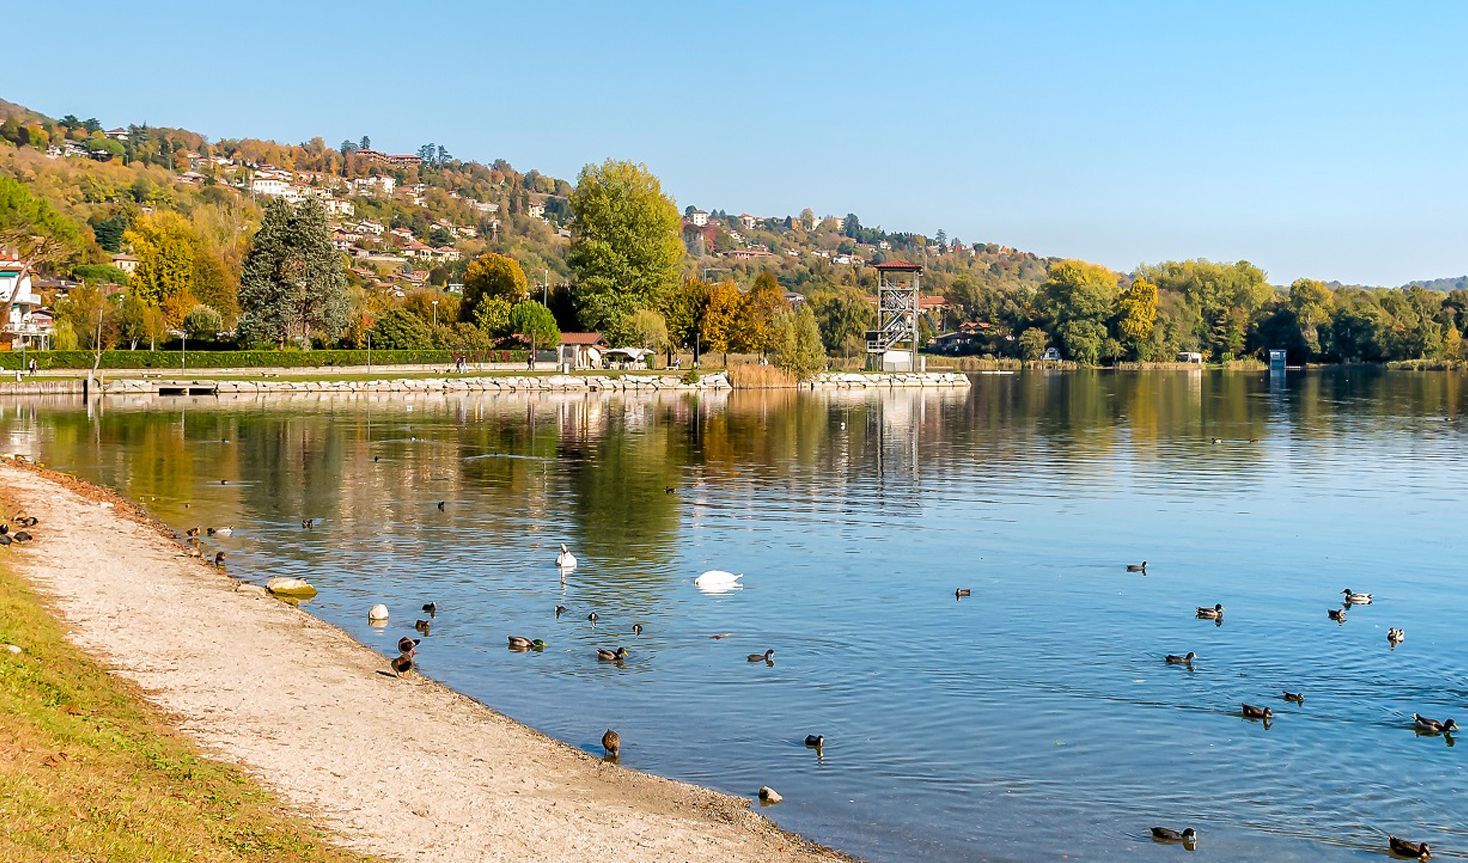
896	334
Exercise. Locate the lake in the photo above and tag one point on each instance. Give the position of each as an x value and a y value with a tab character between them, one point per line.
1033	720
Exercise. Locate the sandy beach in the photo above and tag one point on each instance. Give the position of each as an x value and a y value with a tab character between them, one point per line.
402	768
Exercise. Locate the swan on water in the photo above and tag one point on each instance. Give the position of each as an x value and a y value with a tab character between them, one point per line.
565	560
718	581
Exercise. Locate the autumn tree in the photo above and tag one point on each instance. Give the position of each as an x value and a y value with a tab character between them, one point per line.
1080	297
757	313
36	231
625	244
795	340
294	286
1136	316
645	328
492	276
163	243
717	325
1313	304
843	314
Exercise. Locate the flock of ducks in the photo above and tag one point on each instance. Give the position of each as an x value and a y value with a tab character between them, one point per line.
21	521
1395	636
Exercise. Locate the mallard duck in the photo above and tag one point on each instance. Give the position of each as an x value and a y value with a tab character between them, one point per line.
1137	567
27	521
816	740
221	531
408	645
565	560
1296	697
1174	659
1252	712
520	642
762	657
1167	834
961	592
402	665
1356	598
219	559
421	626
668	489
1213	613
636	629
1218	440
1395	636
309	522
1447	726
612	743
192	533
560	610
1403	848
23	536
609	655
430	609
1336	614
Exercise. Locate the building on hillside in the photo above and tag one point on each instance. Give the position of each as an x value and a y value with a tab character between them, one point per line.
127	263
374	186
747	221
367	226
270	187
118	134
446	253
337	207
699	218
794	299
396	160
485	206
536	211
30	325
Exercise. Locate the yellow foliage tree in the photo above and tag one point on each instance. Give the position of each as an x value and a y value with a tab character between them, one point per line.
164	244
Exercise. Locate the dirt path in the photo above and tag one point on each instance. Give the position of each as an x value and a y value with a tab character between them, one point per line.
402	768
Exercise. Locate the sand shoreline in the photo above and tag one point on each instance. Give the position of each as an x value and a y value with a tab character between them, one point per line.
405	769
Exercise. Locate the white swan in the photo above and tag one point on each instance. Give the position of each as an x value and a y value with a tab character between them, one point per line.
718	581
565	560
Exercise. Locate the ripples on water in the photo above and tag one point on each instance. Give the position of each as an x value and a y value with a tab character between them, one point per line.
1033	719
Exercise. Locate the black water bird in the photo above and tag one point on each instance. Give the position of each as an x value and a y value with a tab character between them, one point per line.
1336	614
1404	848
1432	726
421	626
593	617
636	629
192	533
668	489
1296	697
1137	567
1252	712
219	559
815	740
430	609
560	610
762	657
1167	834
1174	659
442	505
960	593
23	536
309	522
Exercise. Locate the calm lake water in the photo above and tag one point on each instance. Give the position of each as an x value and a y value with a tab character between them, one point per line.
1034	720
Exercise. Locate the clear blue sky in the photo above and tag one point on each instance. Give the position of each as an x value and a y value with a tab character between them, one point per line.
1322	139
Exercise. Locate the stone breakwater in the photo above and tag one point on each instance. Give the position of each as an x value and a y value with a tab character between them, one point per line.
859	380
498	383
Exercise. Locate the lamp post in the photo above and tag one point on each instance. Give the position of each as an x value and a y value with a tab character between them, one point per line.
183	354
369	352
435	314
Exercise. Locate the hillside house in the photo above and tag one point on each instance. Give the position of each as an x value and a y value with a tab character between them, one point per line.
747	221
127	263
698	218
30	325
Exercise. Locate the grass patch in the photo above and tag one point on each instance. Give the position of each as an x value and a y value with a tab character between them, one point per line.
753	376
89	771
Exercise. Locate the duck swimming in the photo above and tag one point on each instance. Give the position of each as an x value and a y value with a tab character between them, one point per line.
1395	636
1174	659
1432	726
636	629
221	531
520	642
1137	567
560	610
608	655
816	740
1252	712
408	645
961	592
219	559
1214	613
762	657
1403	848
1336	614
593	617
421	626
1167	834
1296	697
565	560
1356	598
430	609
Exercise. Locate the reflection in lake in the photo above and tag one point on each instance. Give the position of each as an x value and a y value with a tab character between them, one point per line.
1032	719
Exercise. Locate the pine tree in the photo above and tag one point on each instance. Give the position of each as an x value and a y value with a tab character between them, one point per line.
293	287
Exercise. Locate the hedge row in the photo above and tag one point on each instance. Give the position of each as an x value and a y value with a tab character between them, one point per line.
246	359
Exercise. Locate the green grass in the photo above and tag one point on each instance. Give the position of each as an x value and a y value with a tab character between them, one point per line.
90	772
